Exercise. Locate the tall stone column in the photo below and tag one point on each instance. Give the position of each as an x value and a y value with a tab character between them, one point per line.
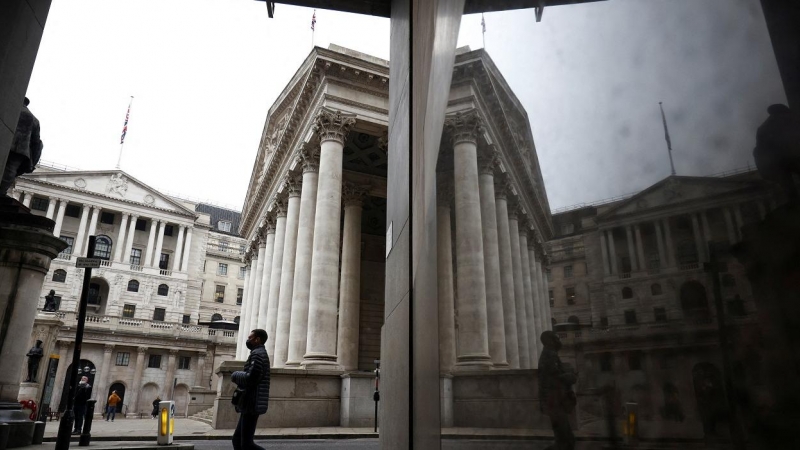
737	215
244	314
136	387
519	290
78	244
527	287
640	248
298	330
444	269
266	261
126	257
706	228
119	246
101	383
169	378
546	282
473	333
92	228
62	208
491	260
159	244
176	263
275	277
61	373
350	284
187	249
200	378
282	328
612	249
729	225
51	207
332	128
151	242
662	262
698	239
604	252
668	243
258	280
538	295
507	277
631	251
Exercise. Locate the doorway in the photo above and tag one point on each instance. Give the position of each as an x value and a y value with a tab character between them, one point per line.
120	388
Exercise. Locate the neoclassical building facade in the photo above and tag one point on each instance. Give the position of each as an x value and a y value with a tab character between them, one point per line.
149	329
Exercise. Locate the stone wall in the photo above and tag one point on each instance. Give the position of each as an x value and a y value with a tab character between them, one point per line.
498	399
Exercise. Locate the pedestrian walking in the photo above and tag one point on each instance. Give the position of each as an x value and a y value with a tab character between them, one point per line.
111	405
155	407
82	395
251	397
556	397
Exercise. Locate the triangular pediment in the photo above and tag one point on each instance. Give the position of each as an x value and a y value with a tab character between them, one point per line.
112	184
677	190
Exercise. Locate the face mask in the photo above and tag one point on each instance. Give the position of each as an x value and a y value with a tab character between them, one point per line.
250	345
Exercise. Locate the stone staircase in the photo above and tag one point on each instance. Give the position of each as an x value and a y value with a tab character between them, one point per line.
205	416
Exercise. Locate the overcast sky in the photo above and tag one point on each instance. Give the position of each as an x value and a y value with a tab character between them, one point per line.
204	74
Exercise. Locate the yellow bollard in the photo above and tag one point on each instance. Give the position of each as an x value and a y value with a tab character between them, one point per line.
166	422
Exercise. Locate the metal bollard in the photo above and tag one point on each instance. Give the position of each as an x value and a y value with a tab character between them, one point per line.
631	426
38	433
86	434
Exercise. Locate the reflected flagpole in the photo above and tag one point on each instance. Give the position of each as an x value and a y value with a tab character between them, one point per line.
124	132
483	27
313	23
666	136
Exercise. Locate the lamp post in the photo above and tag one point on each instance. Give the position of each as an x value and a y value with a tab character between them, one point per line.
377	395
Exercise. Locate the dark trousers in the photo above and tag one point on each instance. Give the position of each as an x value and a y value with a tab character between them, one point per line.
13	164
80	412
245	431
111	412
562	431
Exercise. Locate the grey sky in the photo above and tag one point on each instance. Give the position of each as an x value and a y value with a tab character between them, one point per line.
204	74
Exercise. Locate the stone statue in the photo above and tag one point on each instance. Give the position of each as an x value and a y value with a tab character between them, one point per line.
25	149
35	355
556	397
50	301
777	152
117	184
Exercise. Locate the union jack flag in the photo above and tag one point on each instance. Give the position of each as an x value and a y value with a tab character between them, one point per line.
125	126
313	20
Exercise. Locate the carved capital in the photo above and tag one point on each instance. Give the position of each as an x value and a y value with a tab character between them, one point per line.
488	160
309	158
464	126
141	350
280	208
513	209
353	194
383	142
108	348
64	345
173	352
333	125
269	225
292	185
502	188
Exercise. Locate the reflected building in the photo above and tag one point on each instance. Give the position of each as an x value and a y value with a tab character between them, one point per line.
635	307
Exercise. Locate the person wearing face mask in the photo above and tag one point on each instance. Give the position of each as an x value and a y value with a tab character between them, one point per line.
82	395
555	391
251	398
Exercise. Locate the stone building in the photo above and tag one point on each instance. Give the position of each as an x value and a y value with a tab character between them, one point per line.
151	305
635	306
315	219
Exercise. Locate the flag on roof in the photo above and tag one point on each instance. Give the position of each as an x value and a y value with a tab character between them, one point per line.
313	20
125	126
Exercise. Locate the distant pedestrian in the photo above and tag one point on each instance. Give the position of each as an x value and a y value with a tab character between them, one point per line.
252	394
155	407
111	405
555	391
82	395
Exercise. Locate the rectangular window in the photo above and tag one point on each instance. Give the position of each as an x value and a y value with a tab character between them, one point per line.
660	314
570	291
184	362
549	275
40	204
187	319
224	225
630	317
242	272
626	264
107	218
154	362
123	358
168	230
70	241
552	298
163	262
128	311
635	361
141	225
219	294
604	322
136	256
223	246
73	211
567	271
158	314
222	269
239	295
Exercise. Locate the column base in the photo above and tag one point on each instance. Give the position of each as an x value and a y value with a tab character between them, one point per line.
320	361
501	366
294	365
473	362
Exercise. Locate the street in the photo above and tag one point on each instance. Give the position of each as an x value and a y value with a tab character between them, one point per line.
373	444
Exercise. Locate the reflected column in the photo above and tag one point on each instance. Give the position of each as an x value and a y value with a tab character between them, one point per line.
527	287
519	288
444	264
507	276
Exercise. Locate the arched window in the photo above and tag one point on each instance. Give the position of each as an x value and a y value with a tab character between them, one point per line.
574	320
216	317
655	289
236	319
133	286
102	247
627	292
163	289
60	275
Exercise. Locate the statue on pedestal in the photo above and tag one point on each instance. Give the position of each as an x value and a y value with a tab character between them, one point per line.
35	356
50	302
25	149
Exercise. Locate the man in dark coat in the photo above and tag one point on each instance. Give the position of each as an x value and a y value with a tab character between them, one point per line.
555	391
82	395
254	381
25	150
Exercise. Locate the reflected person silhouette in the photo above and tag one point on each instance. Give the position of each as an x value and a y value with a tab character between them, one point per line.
556	397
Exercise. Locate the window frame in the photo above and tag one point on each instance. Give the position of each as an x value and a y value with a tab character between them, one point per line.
660	314
159	312
37	202
222	269
137	254
104	217
569	271
217	297
122	359
184	361
630	317
127	309
61	279
137	285
166	290
153	358
103	252
570	298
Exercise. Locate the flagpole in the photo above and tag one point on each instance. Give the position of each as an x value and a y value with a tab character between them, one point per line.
666	137
483	33
124	131
313	23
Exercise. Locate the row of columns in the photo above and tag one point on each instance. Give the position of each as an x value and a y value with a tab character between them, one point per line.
701	232
498	290
294	287
122	250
